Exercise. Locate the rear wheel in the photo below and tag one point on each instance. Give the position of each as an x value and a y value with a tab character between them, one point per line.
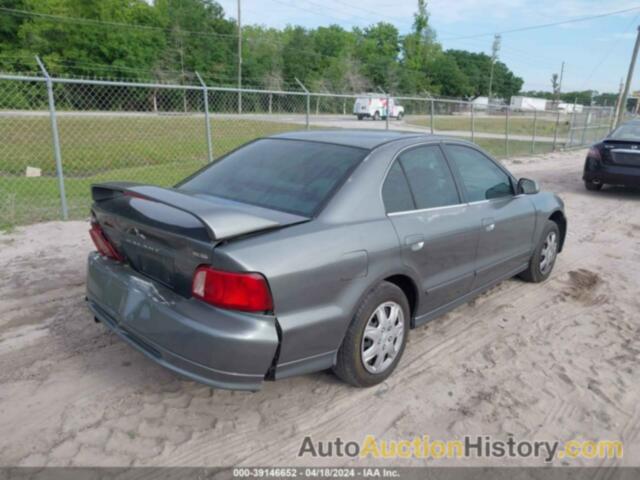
544	257
360	117
376	337
400	115
376	116
592	186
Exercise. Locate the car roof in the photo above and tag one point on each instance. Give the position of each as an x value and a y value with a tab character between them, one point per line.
360	138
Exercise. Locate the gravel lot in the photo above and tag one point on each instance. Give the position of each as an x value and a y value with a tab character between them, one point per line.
558	361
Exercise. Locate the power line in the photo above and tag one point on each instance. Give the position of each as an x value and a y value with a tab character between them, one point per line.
351	15
608	53
546	25
292	5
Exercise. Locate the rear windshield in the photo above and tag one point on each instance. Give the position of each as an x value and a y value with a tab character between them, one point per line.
288	175
630	131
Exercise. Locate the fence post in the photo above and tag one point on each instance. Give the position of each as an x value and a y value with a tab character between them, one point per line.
555	130
308	97
432	115
571	126
473	122
506	132
533	138
56	139
612	119
207	120
585	125
386	126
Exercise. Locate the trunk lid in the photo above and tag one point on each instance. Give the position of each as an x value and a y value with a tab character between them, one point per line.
621	152
167	233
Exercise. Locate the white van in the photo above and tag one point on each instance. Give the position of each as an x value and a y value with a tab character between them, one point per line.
375	107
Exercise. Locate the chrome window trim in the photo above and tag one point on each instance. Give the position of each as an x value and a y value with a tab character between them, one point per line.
626	150
466	204
425	210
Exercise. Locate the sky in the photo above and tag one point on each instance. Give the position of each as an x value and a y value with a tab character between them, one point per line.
596	52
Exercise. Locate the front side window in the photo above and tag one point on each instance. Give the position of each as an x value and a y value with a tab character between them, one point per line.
288	175
429	177
482	179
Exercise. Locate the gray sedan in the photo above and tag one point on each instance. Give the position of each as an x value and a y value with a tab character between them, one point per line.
312	250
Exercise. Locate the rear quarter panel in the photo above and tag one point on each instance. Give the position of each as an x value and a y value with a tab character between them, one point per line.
318	273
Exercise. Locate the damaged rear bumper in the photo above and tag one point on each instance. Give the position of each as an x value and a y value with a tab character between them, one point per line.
217	347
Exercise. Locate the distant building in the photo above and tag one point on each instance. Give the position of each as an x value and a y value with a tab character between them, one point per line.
569	107
528	103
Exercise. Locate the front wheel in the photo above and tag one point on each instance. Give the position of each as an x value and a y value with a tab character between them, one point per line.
376	116
592	186
544	257
400	115
376	337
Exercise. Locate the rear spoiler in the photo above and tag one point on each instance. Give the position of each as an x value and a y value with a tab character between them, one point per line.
222	218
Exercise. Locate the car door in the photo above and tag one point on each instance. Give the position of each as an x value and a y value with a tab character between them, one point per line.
507	220
437	231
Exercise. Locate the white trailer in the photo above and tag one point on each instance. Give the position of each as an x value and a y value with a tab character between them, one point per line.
528	103
570	107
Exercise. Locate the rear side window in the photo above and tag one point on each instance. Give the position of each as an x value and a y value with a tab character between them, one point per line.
627	131
429	177
287	175
395	191
482	179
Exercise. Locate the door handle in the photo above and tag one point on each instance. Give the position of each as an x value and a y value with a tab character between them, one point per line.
417	246
489	224
414	242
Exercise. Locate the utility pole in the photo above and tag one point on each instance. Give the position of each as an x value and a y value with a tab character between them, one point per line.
495	48
239	60
614	119
623	99
560	82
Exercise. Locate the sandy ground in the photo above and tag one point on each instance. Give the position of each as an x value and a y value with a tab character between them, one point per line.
558	360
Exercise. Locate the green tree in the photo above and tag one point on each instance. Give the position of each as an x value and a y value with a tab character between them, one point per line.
419	51
84	48
198	38
377	51
448	78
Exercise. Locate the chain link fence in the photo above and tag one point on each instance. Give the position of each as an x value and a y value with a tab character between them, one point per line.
60	135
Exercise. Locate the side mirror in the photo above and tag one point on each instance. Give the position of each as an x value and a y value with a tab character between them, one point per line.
527	186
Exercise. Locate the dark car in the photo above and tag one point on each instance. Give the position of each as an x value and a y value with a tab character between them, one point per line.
312	250
616	159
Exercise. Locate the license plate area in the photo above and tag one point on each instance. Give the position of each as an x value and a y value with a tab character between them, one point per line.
628	158
151	260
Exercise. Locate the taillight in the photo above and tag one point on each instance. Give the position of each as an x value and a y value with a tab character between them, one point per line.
129	193
594	152
102	243
237	291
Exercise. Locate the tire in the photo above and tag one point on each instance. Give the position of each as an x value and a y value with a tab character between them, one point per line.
400	115
539	270
351	366
592	186
376	116
360	117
